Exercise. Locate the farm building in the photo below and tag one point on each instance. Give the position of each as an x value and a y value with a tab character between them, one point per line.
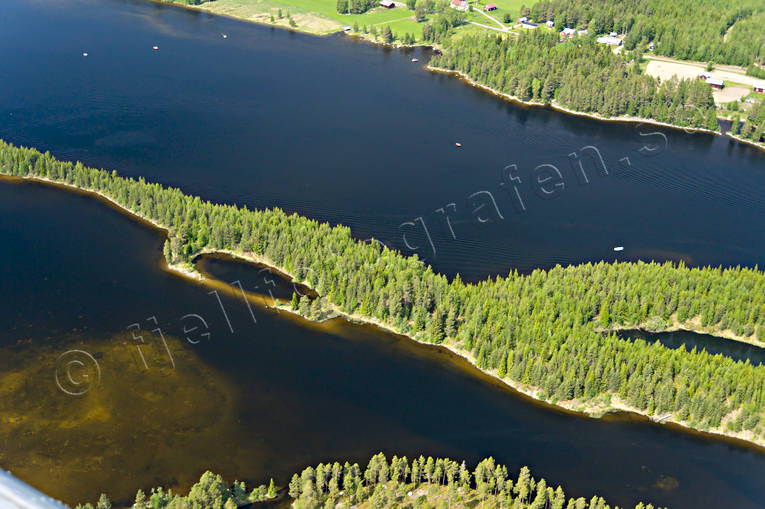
388	4
460	5
759	87
528	24
715	83
550	23
610	40
568	32
490	7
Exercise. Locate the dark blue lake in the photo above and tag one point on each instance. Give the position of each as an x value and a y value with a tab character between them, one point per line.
349	133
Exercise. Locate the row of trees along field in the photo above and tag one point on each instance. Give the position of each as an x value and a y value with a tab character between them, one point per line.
421	483
540	329
355	6
723	31
441	24
578	74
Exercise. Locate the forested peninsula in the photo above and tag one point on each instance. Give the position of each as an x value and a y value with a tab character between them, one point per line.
581	76
540	332
419	484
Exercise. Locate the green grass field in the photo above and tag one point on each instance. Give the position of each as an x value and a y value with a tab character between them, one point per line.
314	16
321	17
513	7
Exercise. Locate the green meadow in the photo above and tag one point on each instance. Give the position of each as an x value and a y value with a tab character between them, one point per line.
321	16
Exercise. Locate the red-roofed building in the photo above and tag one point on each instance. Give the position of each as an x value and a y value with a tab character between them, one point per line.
490	7
460	5
715	83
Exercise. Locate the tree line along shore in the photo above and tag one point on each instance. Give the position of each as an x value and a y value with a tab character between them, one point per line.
585	77
542	330
574	73
432	483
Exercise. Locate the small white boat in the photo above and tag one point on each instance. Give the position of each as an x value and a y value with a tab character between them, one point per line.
415	60
619	248
458	144
224	36
155	48
84	54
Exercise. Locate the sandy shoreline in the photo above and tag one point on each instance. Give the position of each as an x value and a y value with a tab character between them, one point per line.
263	22
583	408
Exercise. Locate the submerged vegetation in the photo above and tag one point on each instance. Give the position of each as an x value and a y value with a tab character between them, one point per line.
421	483
540	330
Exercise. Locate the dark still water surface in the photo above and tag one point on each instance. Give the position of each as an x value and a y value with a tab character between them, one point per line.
355	134
348	133
267	393
736	350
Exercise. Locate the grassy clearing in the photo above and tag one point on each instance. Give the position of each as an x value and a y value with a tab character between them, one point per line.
513	7
321	17
315	16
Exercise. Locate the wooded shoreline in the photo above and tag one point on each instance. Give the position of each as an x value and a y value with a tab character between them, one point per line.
464	77
594	407
562	109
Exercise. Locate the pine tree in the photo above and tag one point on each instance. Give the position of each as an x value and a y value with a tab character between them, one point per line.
271	489
140	500
103	502
387	34
295	301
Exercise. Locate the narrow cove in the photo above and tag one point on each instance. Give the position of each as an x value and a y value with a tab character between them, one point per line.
295	392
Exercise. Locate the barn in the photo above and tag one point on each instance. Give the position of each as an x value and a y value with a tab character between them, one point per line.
715	83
